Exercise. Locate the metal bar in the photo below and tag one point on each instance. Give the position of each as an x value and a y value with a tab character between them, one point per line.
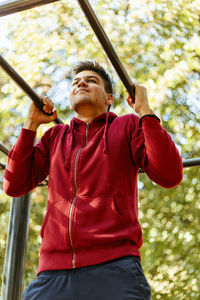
24	86
107	46
12	284
43	183
4	149
10	7
2	166
192	162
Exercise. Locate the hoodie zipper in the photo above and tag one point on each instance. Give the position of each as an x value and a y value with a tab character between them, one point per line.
74	199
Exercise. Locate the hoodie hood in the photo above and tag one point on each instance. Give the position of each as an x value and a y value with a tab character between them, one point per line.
102	120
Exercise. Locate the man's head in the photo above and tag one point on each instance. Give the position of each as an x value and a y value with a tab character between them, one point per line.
91	84
93	65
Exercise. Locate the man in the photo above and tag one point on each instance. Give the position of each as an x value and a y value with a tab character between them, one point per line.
91	234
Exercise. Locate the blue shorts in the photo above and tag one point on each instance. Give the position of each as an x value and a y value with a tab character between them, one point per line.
120	279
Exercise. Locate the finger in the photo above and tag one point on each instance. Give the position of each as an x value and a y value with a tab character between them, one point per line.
49	100
53	116
46	100
130	100
48	109
48	105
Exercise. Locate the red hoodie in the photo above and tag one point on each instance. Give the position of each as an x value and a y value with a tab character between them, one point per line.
92	208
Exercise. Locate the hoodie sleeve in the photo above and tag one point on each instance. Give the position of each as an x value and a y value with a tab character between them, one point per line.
27	164
155	152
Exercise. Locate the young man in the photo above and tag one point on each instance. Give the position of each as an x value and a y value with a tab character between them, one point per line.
91	234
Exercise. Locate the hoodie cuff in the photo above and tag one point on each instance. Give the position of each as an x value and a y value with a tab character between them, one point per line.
26	139
148	115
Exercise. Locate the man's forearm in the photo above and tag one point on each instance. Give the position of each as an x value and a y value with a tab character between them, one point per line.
164	164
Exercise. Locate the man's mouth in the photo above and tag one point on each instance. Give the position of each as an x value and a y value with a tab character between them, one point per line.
82	90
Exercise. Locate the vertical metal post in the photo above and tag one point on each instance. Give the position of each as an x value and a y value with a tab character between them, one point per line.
12	284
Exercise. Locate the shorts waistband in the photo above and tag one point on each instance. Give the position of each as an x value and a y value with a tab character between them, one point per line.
67	271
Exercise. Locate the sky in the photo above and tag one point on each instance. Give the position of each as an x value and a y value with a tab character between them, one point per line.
5	43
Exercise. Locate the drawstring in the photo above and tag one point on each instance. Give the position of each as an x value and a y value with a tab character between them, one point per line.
69	144
105	146
70	138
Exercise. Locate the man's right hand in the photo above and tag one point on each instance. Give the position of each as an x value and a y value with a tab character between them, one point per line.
37	117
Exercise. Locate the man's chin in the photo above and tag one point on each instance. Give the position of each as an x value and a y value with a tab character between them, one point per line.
82	103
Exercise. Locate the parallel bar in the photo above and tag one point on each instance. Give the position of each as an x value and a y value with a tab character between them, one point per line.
3	149
24	86
192	162
107	46
43	183
10	7
12	284
2	166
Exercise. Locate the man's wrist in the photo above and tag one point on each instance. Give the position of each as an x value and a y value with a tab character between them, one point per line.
31	125
145	111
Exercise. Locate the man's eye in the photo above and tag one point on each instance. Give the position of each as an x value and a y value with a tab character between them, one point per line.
92	80
74	83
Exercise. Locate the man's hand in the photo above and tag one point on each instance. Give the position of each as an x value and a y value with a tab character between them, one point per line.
36	117
141	105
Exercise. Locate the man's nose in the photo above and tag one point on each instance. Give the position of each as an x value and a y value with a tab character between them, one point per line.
82	82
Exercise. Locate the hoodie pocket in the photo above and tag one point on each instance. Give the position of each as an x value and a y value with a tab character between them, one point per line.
54	231
96	221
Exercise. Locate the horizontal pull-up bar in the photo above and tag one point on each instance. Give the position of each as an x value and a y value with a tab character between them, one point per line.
2	166
107	46
192	162
10	7
4	149
24	86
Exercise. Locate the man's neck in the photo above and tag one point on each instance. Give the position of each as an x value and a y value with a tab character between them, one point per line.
87	117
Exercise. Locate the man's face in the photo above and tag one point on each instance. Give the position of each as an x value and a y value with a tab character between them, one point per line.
88	92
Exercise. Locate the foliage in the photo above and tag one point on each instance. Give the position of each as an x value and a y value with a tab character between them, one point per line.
158	42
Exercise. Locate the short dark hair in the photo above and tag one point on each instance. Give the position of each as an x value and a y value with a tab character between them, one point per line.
93	65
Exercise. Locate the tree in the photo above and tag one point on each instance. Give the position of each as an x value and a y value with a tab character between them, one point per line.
158	42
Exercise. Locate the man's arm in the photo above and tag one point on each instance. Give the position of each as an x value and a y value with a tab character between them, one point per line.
141	105
155	152
28	164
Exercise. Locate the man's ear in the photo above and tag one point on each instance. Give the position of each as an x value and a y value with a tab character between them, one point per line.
109	99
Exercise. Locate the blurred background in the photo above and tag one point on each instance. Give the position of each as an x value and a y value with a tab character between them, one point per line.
159	44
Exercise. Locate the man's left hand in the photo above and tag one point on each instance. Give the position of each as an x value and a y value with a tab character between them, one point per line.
141	105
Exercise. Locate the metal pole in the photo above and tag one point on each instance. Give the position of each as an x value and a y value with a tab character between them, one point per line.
3	149
107	46
12	284
2	166
10	7
24	86
192	162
